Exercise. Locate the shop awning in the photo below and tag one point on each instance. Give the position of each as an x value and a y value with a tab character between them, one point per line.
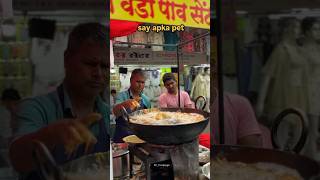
120	28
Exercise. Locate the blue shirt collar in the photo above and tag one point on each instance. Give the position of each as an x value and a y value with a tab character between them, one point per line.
68	106
130	93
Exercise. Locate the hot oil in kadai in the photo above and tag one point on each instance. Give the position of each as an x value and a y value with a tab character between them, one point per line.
166	118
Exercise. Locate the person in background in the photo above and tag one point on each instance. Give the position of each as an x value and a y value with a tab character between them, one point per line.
113	97
169	99
9	100
73	120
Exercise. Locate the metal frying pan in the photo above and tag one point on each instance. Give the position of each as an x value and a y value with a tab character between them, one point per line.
87	167
170	134
307	167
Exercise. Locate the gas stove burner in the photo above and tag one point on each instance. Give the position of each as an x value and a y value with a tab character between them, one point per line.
168	162
156	161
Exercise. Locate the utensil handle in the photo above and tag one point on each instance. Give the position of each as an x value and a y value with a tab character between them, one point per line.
304	133
125	114
45	162
204	105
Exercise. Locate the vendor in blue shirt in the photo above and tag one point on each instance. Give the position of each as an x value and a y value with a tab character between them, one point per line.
73	120
131	99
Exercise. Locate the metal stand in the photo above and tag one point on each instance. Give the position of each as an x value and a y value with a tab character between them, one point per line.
145	157
181	65
220	71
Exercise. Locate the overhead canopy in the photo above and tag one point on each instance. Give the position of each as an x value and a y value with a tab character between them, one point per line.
122	28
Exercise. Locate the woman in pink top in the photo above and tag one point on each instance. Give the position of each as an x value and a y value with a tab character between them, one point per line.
170	98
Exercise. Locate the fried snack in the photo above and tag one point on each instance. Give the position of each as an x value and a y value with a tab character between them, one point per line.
138	99
90	119
136	103
166	118
79	133
133	139
131	104
162	115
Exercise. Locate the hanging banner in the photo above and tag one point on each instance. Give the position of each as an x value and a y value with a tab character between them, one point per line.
139	56
191	13
126	56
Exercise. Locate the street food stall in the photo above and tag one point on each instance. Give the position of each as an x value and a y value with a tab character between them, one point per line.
161	150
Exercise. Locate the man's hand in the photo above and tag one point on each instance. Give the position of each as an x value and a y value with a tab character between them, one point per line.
72	132
131	104
67	132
